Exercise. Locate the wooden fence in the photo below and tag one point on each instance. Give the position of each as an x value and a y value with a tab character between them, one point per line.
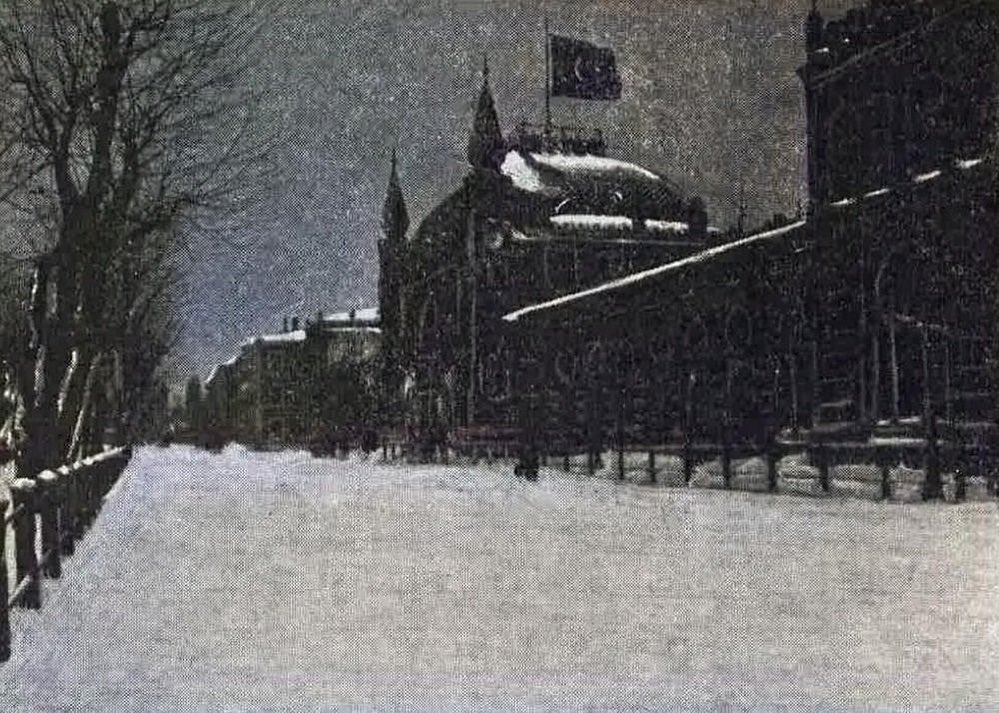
59	506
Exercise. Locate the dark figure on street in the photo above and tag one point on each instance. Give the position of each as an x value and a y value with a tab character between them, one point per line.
527	464
369	440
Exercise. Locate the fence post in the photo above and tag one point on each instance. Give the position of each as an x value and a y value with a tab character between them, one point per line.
688	428
67	510
4	591
107	471
727	421
885	478
986	467
932	484
22	493
48	506
82	471
771	465
820	455
78	485
960	485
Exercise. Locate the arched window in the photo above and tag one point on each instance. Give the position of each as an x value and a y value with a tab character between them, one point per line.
738	329
695	334
566	367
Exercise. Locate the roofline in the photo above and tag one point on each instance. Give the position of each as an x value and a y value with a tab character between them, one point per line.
899	41
652	272
922	179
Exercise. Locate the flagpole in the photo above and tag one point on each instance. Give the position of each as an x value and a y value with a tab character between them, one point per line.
548	76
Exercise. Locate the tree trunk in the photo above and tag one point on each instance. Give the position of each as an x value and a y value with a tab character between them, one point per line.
53	335
80	411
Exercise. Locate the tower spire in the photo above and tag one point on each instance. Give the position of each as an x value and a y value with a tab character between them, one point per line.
485	145
395	217
392	249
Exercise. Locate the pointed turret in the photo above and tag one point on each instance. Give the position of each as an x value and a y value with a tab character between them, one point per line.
391	299
486	145
813	29
395	217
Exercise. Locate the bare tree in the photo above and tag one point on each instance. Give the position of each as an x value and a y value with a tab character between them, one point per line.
125	118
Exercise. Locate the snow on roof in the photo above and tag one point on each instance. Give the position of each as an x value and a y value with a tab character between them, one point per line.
666	226
546	237
523	176
217	368
965	164
578	220
353	329
590	163
520	236
364	314
700	257
282	338
960	164
924	177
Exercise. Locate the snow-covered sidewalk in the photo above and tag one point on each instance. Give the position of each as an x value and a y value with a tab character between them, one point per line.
276	581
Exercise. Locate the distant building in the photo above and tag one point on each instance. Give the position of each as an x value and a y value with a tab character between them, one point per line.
343	351
285	388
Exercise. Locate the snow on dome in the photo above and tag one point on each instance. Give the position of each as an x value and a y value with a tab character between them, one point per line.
924	177
878	192
577	220
590	163
523	176
843	202
666	226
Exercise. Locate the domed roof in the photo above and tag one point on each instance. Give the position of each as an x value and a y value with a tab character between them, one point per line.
591	184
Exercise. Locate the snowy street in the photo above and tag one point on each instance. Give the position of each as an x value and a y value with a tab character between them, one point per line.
275	581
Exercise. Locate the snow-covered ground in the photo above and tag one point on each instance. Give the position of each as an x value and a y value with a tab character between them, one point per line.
248	581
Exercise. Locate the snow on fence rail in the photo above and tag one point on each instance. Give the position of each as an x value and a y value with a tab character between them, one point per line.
62	503
929	454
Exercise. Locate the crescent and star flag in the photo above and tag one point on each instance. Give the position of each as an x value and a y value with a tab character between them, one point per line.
583	70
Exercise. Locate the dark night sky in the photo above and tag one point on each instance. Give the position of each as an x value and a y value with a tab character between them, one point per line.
710	99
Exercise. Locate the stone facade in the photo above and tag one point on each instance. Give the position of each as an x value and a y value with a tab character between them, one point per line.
287	388
538	215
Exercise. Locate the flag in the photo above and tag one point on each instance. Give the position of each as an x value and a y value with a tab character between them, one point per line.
583	70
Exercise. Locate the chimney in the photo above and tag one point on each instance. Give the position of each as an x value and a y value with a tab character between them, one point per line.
351	315
284	325
294	324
